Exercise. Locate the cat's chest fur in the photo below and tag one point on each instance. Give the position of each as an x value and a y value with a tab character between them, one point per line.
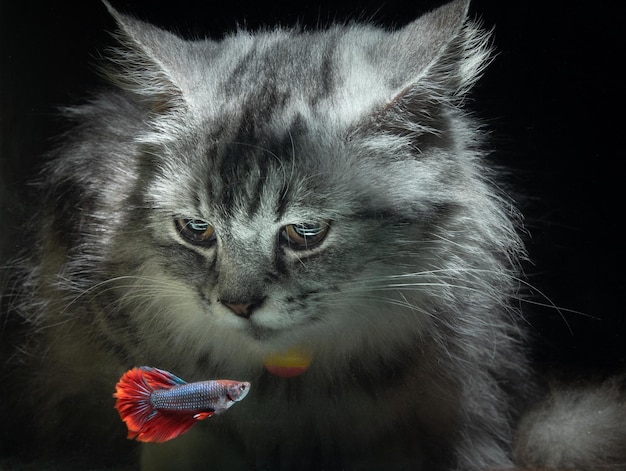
406	410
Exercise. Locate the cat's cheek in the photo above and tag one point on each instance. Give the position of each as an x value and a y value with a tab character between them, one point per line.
273	320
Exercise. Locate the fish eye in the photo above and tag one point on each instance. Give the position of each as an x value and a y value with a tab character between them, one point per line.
196	231
304	235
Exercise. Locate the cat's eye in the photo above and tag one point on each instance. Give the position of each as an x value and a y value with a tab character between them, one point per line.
304	235
196	231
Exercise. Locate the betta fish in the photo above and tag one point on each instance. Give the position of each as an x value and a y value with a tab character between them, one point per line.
158	406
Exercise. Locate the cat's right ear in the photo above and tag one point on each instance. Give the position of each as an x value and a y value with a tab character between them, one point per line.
147	64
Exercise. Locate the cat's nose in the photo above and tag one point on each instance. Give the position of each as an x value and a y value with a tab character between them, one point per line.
242	309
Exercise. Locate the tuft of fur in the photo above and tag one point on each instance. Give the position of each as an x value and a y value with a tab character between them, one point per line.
576	427
407	305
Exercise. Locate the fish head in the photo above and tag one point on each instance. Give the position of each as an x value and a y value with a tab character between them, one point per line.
237	390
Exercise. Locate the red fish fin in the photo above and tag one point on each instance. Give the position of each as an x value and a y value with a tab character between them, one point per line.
204	415
133	393
162	426
159	379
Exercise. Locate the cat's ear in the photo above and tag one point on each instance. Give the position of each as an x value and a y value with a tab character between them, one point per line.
440	55
147	63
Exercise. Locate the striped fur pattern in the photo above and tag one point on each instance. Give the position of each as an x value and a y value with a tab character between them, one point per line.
172	200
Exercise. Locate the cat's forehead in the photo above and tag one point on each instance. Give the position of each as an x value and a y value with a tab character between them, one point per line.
283	74
280	173
246	165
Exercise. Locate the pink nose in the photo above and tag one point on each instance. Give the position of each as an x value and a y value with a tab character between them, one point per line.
241	309
245	308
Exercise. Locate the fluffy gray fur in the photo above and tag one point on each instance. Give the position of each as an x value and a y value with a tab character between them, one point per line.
590	419
406	304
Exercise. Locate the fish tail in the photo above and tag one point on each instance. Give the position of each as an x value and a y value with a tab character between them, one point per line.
146	423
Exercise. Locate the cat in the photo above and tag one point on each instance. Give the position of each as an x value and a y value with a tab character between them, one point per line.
321	191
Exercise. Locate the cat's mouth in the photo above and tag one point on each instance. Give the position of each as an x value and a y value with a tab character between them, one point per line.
268	324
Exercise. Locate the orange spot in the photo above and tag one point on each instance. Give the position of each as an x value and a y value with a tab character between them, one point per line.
288	364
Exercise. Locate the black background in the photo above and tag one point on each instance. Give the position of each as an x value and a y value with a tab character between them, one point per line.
552	99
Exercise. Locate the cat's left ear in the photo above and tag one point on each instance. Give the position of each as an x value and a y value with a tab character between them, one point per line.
441	53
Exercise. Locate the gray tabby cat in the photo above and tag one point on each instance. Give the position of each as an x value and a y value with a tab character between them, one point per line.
316	190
